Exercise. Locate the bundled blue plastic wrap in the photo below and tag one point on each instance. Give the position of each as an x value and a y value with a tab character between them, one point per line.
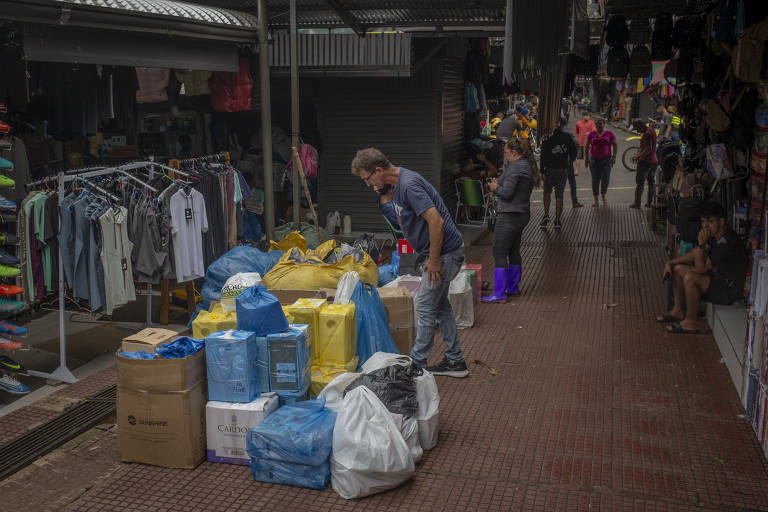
232	362
301	433
243	258
276	472
180	348
138	355
260	312
390	271
263	344
372	325
289	359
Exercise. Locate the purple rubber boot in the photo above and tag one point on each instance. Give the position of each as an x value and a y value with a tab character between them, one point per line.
514	274
499	285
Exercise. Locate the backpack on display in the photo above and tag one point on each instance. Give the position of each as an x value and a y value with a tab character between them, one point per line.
617	33
661	47
724	21
618	63
663	26
749	53
640	62
640	29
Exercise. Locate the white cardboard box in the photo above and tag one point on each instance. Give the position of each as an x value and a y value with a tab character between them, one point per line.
227	426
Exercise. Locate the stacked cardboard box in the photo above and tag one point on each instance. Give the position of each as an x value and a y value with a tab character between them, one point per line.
398	302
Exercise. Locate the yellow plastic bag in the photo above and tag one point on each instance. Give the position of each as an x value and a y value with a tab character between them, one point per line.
337	334
289	275
294	239
307	311
322	374
214	320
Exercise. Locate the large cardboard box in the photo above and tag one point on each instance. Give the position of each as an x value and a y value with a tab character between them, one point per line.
287	297
227	425
148	339
161	374
398	302
161	428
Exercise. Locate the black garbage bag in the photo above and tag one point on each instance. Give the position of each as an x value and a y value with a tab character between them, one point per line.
394	386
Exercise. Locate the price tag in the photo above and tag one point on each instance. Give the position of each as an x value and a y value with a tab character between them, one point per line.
124	263
188	213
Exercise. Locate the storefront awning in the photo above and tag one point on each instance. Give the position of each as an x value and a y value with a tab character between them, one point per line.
165	17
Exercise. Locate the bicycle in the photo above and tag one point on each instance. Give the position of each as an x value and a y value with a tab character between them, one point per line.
629	157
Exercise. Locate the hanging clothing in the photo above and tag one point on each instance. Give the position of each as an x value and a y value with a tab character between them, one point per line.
115	258
189	221
195	82
153	85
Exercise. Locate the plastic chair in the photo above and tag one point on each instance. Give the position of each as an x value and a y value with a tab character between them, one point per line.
397	234
469	193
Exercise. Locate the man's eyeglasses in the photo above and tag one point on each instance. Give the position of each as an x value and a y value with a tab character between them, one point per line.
365	179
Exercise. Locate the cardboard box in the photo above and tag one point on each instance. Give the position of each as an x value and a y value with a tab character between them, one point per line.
147	340
161	428
398	302
288	297
227	425
161	375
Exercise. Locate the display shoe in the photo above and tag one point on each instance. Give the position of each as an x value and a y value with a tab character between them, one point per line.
8	259
4	127
7	204
9	289
8	365
9	328
6	271
6	344
6	165
499	285
11	385
9	306
515	273
5	181
8	239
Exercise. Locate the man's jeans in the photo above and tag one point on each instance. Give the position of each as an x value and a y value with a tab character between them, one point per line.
432	305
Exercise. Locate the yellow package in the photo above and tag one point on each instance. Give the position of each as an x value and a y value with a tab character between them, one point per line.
336	335
214	320
322	374
306	311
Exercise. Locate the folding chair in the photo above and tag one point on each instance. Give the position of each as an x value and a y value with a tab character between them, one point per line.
469	194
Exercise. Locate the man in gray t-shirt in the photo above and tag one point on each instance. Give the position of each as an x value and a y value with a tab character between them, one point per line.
429	229
665	123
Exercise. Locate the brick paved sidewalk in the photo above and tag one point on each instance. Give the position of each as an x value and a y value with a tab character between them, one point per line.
593	408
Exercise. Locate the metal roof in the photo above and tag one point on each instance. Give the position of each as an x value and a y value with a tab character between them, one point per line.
173	9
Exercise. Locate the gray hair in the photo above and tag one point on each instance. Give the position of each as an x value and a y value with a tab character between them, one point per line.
369	159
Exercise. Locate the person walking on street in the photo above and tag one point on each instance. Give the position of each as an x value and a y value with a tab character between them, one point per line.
513	207
583	128
557	153
600	155
646	163
430	230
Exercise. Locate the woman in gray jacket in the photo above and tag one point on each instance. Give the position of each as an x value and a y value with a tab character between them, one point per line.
513	207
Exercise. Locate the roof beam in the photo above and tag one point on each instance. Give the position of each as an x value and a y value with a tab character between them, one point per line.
346	16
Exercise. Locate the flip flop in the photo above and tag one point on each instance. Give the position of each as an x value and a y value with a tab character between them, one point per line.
668	319
677	329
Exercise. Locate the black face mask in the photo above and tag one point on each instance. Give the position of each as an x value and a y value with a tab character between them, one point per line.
385	189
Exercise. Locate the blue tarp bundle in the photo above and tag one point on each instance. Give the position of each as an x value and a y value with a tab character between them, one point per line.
180	348
243	258
232	362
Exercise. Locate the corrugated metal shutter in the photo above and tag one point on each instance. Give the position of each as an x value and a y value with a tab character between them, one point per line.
400	122
452	126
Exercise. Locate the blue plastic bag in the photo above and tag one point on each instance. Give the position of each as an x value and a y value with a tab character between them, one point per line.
372	325
301	433
263	363
232	365
390	271
180	348
138	355
260	312
243	258
277	472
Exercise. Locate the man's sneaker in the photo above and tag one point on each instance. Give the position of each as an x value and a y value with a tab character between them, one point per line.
5	181
7	204
9	306
557	224
11	385
8	259
7	344
8	239
6	271
544	222
6	165
9	289
449	368
9	328
8	365
577	205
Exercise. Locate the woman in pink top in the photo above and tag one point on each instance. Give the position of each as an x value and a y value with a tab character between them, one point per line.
600	156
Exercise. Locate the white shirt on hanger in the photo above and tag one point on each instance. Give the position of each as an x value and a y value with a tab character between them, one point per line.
188	223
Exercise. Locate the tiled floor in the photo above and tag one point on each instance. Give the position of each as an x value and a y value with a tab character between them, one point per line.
593	407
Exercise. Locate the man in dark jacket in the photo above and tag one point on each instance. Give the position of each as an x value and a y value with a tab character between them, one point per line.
557	154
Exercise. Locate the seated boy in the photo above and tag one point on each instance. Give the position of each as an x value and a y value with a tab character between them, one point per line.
713	271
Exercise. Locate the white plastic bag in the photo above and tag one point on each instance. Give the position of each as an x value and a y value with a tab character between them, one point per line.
234	286
369	453
410	432
333	392
346	286
428	414
382	360
460	297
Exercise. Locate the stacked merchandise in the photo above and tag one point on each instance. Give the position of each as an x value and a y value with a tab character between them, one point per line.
756	396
